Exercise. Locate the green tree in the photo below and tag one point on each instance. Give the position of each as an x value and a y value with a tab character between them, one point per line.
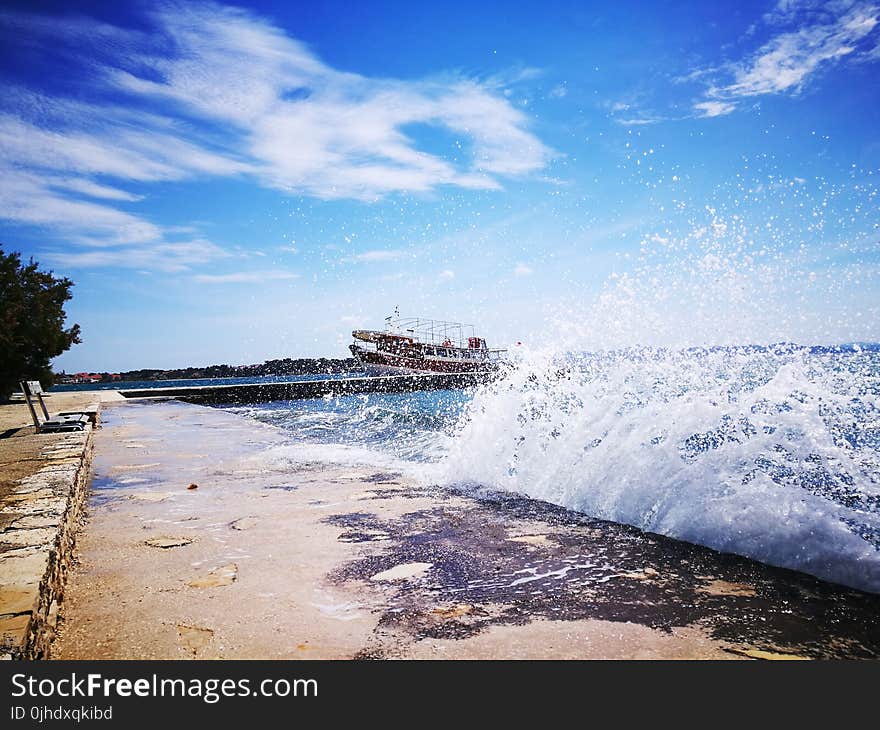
32	318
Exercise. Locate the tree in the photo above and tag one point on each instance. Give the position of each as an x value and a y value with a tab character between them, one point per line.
32	318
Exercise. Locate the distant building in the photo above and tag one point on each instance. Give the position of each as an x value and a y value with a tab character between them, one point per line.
86	378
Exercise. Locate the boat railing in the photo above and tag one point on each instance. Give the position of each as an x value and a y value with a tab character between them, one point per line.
432	337
431	331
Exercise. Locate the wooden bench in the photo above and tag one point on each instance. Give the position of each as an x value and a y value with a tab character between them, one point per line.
33	394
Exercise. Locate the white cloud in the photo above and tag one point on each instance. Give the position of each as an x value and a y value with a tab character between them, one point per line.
788	61
112	149
714	108
245	277
523	270
214	91
446	275
311	129
93	189
167	257
639	121
29	198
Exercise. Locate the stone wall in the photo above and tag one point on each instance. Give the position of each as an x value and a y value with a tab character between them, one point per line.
41	517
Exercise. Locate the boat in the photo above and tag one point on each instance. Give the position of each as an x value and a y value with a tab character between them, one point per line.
423	345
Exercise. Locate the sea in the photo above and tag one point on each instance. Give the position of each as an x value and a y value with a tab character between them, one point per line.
768	452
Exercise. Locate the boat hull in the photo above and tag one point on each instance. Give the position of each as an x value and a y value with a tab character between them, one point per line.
383	363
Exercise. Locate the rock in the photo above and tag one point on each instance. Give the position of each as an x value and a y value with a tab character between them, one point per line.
222	576
36	536
16	600
193	486
13	630
168	542
404	571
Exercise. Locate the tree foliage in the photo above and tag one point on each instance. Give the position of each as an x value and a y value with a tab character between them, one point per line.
32	316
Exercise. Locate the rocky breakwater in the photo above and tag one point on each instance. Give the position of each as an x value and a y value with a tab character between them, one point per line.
39	517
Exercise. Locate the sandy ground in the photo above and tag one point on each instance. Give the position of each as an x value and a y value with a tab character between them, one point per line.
198	546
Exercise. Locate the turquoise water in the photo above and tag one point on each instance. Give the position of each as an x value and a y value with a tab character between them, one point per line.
409	426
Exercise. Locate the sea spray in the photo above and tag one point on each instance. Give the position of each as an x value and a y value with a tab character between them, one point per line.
769	453
646	404
652	402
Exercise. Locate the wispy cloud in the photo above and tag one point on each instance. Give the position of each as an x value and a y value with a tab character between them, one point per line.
639	121
446	275
801	40
790	60
163	256
213	91
245	277
523	270
92	189
714	108
31	198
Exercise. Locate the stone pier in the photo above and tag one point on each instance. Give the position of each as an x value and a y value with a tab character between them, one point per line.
44	479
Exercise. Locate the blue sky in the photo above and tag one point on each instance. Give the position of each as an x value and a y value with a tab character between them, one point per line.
235	183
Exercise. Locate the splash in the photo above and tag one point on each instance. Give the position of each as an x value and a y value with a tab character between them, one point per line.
772	452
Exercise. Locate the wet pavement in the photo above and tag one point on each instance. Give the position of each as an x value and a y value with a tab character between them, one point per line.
198	545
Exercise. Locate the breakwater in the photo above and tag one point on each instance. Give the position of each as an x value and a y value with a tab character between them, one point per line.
304	389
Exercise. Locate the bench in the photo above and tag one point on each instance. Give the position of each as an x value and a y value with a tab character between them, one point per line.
69	421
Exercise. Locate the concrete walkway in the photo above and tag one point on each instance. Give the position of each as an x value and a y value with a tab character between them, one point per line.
199	546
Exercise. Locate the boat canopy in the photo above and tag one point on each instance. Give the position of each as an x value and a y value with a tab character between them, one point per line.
426	331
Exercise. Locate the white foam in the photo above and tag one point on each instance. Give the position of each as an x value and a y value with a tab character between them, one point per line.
286	457
737	450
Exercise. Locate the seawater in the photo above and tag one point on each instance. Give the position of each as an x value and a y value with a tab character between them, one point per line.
768	452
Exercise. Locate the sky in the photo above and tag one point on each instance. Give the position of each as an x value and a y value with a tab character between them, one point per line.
233	183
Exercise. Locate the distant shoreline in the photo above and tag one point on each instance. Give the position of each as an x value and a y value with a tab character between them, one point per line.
195	381
270	368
